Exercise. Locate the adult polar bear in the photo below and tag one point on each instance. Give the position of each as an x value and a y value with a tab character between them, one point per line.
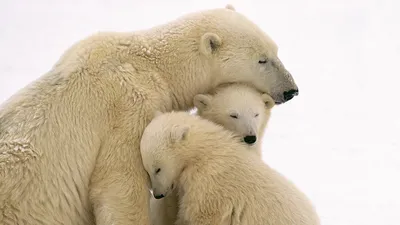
69	142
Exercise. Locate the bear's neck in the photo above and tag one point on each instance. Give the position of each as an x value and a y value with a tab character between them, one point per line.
174	51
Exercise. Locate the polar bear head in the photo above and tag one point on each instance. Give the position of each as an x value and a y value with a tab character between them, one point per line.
174	145
242	52
239	108
161	156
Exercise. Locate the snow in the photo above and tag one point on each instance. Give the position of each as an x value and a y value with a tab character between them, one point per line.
339	140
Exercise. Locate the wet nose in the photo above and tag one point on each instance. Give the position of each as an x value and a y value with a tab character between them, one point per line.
287	95
158	196
250	139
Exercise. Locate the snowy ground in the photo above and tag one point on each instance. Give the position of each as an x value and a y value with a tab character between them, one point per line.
339	140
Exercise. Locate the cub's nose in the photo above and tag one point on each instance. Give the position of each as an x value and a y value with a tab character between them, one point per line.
250	139
287	95
158	196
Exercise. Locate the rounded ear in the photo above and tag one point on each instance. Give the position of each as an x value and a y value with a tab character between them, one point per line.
201	101
229	6
268	101
179	133
209	43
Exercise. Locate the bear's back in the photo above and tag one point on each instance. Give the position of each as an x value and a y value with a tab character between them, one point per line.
258	194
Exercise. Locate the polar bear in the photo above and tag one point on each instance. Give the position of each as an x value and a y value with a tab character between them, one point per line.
217	180
237	107
69	141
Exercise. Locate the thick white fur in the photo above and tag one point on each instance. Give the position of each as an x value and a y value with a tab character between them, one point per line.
218	180
250	109
69	142
238	99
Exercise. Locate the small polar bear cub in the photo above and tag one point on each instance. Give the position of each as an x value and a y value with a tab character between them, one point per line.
217	179
239	108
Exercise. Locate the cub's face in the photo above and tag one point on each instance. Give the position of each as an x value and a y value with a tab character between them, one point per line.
163	176
237	108
158	149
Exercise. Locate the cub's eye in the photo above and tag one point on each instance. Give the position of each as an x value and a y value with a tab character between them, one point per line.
262	61
158	170
256	115
233	116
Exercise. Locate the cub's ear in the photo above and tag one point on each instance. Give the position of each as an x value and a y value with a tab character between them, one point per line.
179	132
209	43
201	102
229	6
268	101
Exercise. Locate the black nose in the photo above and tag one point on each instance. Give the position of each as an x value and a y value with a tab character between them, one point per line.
287	95
158	196
250	139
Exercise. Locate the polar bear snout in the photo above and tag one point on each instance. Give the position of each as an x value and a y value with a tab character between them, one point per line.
251	139
285	96
288	95
158	196
161	194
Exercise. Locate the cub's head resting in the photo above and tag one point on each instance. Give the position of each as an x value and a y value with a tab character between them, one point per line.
161	162
174	142
239	108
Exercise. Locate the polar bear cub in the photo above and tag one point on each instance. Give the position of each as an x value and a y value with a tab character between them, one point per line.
217	179
237	107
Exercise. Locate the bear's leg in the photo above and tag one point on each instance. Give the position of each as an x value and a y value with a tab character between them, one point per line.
119	189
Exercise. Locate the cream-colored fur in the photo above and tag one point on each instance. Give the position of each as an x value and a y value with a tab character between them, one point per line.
218	180
69	142
252	111
239	108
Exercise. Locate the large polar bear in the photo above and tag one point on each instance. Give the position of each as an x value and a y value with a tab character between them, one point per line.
69	142
236	107
217	179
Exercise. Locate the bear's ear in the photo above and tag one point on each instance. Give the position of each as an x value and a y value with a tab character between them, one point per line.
268	101
209	43
179	133
229	6
201	101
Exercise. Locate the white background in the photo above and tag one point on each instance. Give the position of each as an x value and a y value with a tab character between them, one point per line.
339	140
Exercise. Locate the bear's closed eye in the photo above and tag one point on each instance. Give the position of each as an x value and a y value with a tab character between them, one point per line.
262	61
